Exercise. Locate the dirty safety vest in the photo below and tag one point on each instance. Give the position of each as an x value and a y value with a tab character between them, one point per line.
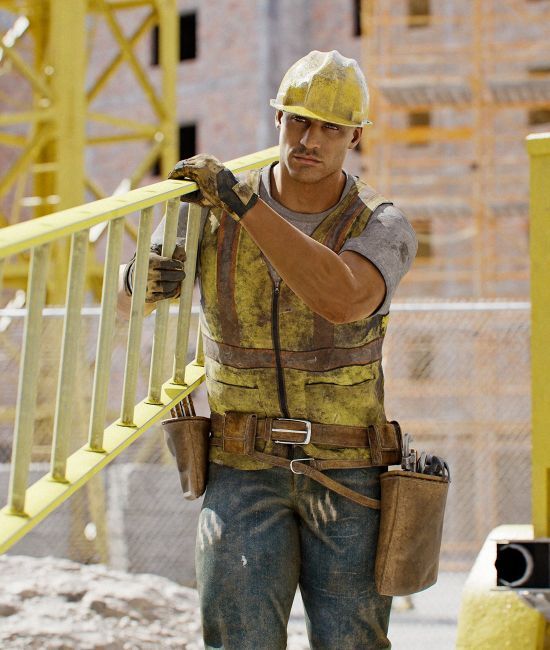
266	352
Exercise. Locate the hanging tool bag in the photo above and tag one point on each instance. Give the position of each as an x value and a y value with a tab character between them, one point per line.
187	438
411	526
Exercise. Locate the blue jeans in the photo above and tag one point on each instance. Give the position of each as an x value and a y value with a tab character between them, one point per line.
262	533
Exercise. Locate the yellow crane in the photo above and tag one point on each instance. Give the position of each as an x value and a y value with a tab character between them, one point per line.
52	124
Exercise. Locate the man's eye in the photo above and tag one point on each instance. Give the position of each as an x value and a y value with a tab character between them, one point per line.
298	118
333	127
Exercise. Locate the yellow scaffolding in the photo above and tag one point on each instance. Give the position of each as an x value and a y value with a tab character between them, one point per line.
27	506
49	136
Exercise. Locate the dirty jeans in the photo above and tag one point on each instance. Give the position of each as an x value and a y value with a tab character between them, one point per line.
262	533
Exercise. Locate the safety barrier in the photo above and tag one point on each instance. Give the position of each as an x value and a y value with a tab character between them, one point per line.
27	506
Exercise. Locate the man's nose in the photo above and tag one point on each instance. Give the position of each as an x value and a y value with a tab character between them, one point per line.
310	139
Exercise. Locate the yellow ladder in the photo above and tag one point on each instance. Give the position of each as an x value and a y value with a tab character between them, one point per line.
27	506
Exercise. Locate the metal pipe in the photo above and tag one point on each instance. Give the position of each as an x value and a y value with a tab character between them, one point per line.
69	356
133	350
28	381
105	337
156	376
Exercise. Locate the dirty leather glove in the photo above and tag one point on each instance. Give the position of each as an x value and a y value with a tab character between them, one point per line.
164	275
218	187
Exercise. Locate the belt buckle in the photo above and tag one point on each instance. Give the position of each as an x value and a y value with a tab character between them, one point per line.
307	432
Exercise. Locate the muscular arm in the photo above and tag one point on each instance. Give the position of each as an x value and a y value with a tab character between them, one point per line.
341	288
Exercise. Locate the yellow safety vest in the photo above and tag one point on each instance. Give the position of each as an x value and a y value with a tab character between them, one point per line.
266	352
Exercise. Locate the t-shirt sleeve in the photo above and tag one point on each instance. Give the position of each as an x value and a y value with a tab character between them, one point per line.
389	242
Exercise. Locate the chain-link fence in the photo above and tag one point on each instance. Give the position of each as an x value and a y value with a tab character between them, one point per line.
457	378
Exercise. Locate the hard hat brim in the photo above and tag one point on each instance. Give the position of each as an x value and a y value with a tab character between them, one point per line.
304	112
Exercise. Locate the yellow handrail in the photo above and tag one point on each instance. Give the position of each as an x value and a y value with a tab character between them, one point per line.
27	506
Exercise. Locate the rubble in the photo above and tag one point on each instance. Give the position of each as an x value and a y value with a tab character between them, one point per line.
56	604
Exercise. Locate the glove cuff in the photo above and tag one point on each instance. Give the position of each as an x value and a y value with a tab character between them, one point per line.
237	197
129	277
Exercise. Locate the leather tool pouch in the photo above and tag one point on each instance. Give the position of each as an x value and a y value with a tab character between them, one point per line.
187	437
411	525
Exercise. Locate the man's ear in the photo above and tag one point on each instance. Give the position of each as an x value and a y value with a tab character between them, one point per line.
278	118
357	133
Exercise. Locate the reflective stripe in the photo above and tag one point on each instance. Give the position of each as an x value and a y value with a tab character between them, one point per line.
228	243
308	360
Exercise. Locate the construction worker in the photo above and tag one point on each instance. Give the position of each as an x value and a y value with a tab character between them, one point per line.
298	263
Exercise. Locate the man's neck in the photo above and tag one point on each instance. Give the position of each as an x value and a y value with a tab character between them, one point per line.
306	198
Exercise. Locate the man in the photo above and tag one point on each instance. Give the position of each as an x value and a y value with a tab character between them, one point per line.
298	265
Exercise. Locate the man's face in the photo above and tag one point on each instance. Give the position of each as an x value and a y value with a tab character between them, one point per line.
311	150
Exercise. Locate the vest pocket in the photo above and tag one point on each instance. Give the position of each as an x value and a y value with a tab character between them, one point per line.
350	398
223	396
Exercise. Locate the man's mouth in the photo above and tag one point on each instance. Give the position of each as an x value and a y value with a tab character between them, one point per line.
306	160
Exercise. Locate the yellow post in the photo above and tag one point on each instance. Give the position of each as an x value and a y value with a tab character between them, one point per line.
538	147
107	320
161	319
28	382
491	620
168	56
186	297
133	347
68	34
69	357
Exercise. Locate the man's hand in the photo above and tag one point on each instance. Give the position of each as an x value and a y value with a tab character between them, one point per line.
218	186
164	275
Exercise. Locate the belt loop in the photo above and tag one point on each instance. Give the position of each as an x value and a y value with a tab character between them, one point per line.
268	435
251	425
374	443
239	432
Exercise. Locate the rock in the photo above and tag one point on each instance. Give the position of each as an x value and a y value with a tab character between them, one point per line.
53	604
7	610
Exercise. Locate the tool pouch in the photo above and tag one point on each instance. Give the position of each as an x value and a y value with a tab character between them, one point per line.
187	438
411	525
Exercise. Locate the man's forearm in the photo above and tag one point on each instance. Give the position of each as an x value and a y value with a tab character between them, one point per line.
319	276
341	288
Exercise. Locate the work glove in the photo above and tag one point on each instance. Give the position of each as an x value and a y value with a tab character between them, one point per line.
164	275
218	186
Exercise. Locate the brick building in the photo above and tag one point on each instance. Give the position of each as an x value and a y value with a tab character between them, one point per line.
456	87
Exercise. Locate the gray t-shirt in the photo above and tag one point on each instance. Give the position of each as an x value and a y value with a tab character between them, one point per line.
388	240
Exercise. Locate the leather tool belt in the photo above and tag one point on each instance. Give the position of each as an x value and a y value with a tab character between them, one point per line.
242	433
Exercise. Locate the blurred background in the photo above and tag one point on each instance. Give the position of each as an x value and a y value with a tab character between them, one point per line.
108	95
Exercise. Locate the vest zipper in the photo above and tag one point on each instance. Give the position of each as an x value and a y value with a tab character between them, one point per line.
277	347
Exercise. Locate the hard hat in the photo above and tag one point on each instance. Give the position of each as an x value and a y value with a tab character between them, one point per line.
325	86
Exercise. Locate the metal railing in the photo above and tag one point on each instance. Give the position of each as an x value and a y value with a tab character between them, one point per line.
27	506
